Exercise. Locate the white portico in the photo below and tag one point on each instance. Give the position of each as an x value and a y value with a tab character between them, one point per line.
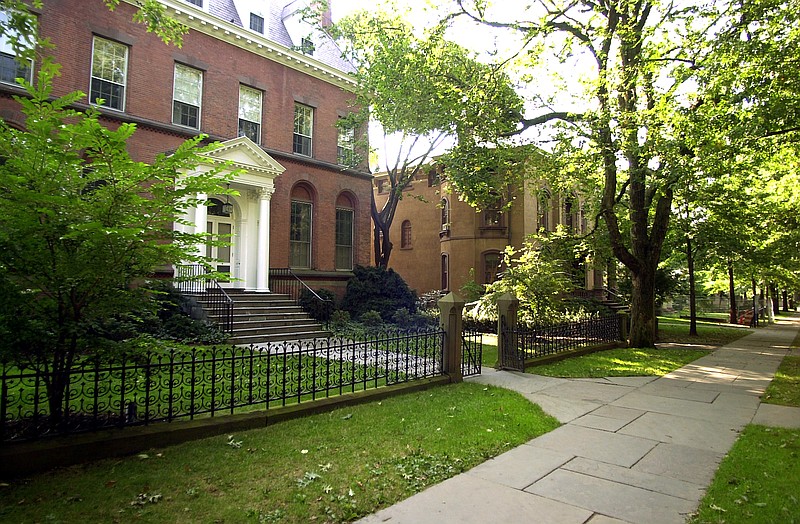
244	217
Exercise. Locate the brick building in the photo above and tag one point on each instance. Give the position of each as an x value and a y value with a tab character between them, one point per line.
441	243
250	75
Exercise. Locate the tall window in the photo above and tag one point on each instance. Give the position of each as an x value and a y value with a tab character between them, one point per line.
445	215
187	95
345	150
109	73
491	266
405	235
543	205
445	272
257	23
300	234
250	113
303	128
10	67
493	213
344	238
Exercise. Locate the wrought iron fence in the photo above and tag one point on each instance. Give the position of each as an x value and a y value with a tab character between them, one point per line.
471	352
155	387
536	341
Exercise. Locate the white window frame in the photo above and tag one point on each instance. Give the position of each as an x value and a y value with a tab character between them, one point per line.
182	96
254	116
114	81
345	146
303	128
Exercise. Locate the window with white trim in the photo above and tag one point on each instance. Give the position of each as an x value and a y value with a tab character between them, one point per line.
198	3
109	73
345	146
250	113
303	129
300	234
11	67
187	96
257	23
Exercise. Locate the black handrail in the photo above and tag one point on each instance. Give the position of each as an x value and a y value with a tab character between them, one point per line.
220	305
284	280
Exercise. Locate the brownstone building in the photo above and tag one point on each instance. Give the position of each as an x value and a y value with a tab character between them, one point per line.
441	243
250	75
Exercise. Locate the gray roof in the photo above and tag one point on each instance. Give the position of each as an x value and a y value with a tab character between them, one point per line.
326	50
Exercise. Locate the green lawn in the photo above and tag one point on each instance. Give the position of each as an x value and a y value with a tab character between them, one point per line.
332	467
622	362
757	481
708	333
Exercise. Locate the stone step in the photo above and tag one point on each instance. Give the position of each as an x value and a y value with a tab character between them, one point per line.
288	329
265	339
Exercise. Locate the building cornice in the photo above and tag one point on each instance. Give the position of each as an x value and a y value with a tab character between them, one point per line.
197	19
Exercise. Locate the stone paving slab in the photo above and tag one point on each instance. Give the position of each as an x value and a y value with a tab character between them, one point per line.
685	463
597	422
465	499
602	519
598	393
639	479
521	466
702	411
612	498
614	448
617	412
692	432
778	416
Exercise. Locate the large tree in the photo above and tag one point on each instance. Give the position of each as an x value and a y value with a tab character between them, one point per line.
423	91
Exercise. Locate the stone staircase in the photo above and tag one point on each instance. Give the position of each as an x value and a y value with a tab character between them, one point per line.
260	318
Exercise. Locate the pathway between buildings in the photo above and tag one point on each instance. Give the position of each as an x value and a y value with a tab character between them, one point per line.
635	450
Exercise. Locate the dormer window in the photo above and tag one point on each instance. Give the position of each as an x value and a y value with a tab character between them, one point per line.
257	23
307	46
198	3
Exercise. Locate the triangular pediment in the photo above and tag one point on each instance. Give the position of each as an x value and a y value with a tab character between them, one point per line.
243	153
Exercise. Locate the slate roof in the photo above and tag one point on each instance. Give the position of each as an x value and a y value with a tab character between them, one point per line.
326	50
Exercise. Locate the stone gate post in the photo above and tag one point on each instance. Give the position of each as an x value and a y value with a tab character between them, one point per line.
451	307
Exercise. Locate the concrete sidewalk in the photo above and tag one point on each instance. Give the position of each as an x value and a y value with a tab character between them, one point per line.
635	450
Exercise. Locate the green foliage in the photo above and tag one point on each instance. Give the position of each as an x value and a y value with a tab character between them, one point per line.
537	275
81	224
371	319
471	290
316	308
339	319
378	289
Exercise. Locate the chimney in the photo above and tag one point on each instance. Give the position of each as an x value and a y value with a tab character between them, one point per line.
326	20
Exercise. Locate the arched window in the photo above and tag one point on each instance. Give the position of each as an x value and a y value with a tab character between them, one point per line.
445	205
405	235
543	209
344	232
300	230
492	261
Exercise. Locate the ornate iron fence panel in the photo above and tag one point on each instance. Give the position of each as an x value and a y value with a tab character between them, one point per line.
156	387
471	352
522	343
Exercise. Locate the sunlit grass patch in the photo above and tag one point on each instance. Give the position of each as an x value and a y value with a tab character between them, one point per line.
623	362
708	333
785	387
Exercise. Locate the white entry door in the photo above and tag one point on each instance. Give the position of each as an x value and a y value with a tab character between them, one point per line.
221	257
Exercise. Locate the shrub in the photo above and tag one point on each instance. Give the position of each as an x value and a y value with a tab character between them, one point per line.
316	308
340	319
402	317
377	289
371	319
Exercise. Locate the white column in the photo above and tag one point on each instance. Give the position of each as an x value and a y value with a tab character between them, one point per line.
262	258
200	221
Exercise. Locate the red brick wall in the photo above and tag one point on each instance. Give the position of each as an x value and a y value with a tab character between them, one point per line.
71	24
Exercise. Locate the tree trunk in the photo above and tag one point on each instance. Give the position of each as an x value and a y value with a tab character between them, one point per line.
755	303
692	291
643	313
773	291
734	318
785	296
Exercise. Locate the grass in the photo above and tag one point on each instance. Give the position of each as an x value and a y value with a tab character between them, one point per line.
332	467
785	387
622	362
676	330
757	481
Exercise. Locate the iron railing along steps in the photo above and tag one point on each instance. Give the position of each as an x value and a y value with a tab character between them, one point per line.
267	317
